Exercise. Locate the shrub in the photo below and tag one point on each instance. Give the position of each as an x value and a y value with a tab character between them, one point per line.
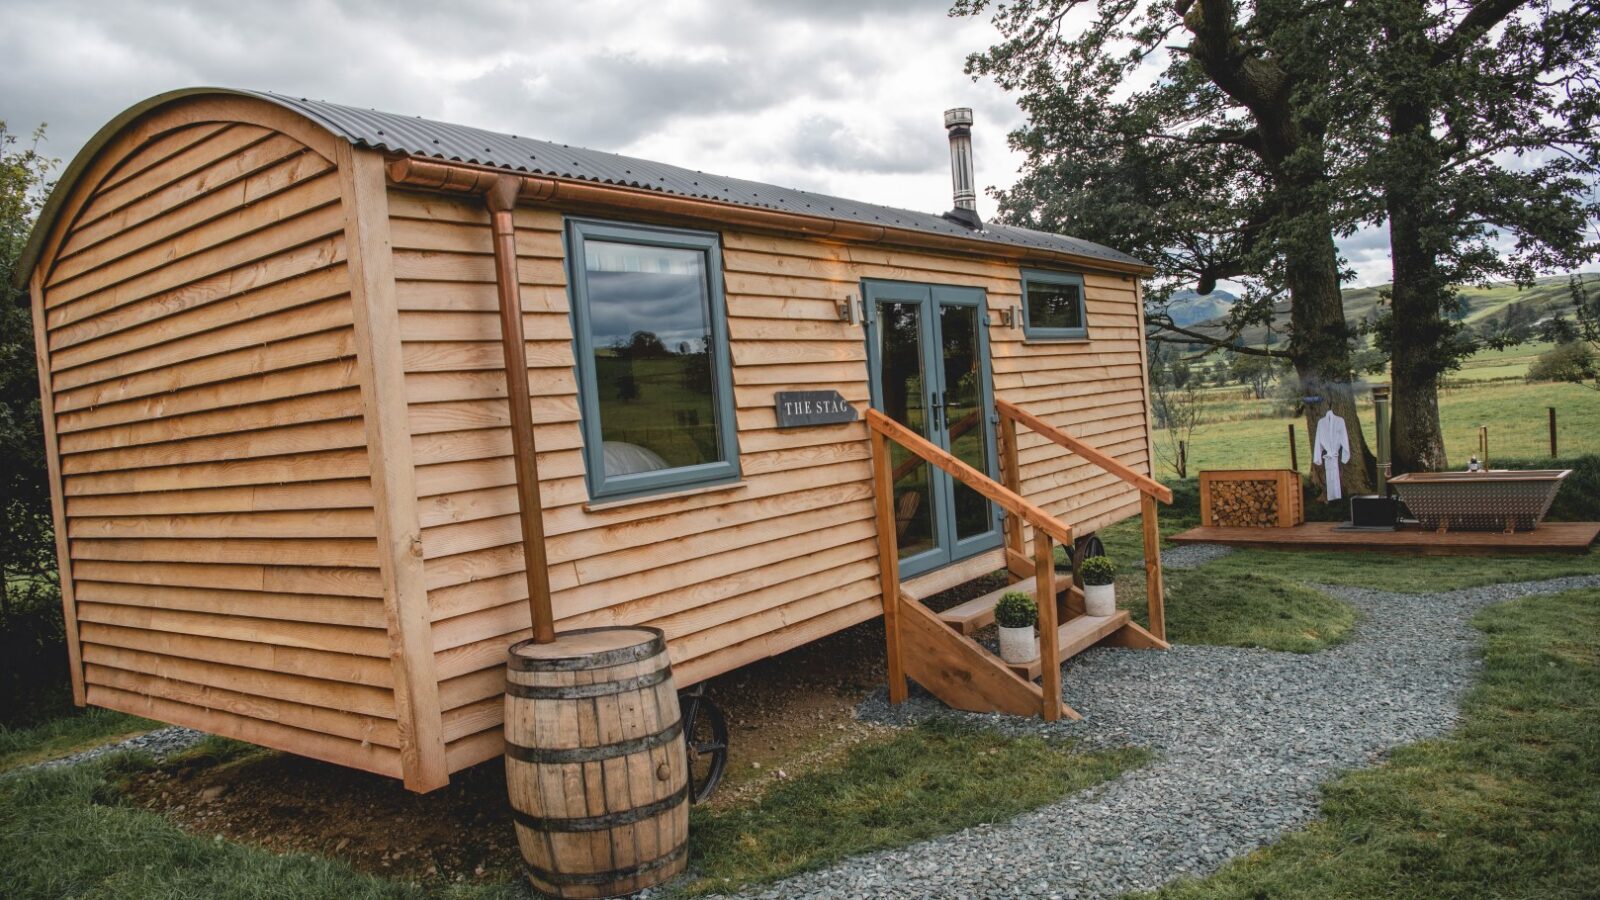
1016	610
1098	570
1573	361
33	654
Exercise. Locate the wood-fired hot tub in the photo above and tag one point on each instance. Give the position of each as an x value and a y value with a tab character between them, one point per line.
1497	500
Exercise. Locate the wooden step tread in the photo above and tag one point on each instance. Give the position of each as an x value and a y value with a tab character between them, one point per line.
1076	636
978	612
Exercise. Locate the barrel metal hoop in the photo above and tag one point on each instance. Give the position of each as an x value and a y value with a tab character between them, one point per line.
566	878
603	822
584	691
620	656
594	754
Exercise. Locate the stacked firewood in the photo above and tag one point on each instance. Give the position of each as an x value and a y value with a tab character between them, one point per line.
1244	504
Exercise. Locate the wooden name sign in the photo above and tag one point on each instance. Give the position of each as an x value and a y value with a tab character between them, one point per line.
797	409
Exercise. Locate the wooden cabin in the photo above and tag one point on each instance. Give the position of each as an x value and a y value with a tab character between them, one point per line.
281	451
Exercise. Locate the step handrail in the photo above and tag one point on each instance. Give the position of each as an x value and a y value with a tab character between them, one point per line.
1144	483
1003	496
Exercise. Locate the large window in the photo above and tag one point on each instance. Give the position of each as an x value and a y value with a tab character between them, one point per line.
652	351
1052	305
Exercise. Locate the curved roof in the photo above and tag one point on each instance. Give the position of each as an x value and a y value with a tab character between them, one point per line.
414	136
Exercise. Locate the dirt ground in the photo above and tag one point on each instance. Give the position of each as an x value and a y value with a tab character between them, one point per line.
786	715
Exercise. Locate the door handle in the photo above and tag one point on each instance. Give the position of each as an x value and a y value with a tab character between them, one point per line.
935	410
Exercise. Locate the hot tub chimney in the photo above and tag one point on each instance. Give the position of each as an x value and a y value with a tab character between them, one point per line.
958	122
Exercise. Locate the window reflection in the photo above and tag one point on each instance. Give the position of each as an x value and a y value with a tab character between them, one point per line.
650	342
1055	305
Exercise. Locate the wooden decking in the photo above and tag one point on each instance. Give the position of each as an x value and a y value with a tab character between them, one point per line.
1551	537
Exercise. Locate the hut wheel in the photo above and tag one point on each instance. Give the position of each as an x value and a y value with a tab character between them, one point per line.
1085	547
705	736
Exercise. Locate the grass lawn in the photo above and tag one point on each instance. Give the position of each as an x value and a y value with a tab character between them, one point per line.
1507	805
1393	572
935	779
78	730
1264	611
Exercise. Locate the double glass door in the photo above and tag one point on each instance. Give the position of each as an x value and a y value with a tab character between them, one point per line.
927	348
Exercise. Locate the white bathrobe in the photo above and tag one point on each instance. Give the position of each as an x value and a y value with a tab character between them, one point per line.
1333	448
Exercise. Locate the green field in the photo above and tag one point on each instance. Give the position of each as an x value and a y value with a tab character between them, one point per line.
1514	412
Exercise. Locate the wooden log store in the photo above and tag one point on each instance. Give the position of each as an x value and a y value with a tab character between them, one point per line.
294	504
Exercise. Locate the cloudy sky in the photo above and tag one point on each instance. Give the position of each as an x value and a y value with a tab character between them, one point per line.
839	96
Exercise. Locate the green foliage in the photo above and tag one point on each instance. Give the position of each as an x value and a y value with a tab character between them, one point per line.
941	777
33	654
26	541
1504	806
1572	361
1016	610
1098	570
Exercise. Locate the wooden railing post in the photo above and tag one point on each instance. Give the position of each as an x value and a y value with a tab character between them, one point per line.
1155	591
888	562
1044	575
1011	474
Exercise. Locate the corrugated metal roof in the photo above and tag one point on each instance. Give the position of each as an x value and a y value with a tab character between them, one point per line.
460	143
416	136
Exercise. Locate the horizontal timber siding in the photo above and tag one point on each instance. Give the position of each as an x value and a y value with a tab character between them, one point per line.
731	574
207	412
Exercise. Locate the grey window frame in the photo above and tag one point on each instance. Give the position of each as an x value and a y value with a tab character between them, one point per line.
1047	333
709	244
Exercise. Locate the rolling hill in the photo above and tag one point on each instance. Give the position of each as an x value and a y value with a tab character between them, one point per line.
1479	305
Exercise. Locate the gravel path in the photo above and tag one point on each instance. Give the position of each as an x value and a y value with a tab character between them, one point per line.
1189	556
158	743
1244	738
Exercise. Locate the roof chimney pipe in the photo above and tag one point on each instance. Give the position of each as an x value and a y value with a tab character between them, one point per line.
958	122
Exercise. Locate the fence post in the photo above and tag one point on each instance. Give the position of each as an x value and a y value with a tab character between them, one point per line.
1294	452
1553	453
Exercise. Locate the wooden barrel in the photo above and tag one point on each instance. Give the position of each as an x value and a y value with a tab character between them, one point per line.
595	762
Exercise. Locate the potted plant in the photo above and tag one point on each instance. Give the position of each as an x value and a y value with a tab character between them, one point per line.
1017	616
1099	585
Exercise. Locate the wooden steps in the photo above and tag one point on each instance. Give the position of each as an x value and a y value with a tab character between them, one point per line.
978	613
1076	636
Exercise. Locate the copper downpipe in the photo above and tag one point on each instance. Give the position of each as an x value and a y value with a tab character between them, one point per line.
500	195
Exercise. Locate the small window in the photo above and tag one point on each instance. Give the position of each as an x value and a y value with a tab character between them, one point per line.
1052	305
651	341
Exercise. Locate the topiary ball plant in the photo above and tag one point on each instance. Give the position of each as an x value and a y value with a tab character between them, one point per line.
1016	610
1098	570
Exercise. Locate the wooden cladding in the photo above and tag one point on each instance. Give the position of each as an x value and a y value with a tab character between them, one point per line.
206	428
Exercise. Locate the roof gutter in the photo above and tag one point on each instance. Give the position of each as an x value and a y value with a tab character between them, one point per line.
468	178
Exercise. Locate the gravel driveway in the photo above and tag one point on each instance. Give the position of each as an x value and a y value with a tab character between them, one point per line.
1244	738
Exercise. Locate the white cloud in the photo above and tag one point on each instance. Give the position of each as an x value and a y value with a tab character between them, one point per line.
842	96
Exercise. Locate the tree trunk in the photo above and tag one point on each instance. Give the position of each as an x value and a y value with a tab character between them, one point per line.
1420	334
1289	138
1321	351
1415	369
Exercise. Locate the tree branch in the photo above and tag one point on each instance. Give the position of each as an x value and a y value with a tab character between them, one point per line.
1223	343
1479	20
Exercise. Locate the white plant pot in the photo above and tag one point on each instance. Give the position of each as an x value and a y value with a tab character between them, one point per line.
1099	599
1019	645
